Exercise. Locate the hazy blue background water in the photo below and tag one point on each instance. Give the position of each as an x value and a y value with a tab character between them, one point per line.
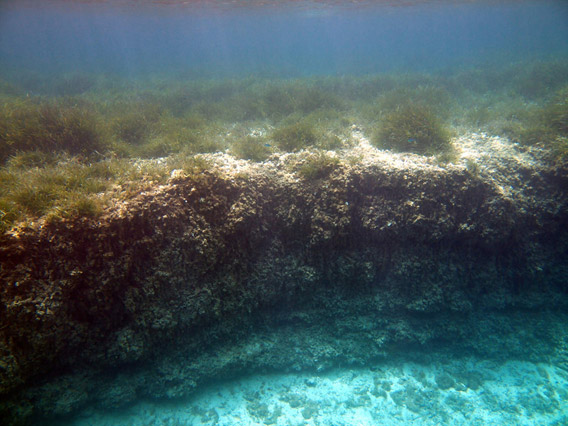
281	38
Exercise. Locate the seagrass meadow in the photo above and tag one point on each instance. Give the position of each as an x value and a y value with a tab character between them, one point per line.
71	144
252	221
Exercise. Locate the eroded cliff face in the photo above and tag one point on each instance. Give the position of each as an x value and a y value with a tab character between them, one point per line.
248	267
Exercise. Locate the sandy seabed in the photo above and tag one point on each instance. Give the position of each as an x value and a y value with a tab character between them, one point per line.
465	392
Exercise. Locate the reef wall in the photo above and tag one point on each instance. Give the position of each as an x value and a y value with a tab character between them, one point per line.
222	273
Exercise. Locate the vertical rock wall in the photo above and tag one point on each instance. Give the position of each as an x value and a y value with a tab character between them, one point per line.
220	273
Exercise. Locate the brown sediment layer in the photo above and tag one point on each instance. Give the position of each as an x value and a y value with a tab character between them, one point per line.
252	266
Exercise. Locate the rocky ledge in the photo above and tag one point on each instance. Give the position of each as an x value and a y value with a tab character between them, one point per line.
260	267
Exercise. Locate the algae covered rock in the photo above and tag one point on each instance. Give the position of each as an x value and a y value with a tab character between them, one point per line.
242	266
413	128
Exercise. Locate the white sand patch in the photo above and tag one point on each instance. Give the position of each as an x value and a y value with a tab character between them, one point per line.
466	392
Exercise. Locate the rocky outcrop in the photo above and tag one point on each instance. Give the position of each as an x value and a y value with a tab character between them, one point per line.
254	267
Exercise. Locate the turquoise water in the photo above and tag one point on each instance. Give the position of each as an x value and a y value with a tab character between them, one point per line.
214	73
276	38
460	392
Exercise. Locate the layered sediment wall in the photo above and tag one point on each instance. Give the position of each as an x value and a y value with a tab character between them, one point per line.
247	267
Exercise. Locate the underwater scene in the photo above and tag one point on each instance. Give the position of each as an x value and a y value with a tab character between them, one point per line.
289	213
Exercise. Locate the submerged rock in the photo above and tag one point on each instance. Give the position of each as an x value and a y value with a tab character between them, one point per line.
249	267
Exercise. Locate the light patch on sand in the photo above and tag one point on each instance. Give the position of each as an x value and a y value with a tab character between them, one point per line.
461	393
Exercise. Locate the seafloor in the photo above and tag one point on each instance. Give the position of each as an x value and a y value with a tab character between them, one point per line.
382	288
334	250
454	392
